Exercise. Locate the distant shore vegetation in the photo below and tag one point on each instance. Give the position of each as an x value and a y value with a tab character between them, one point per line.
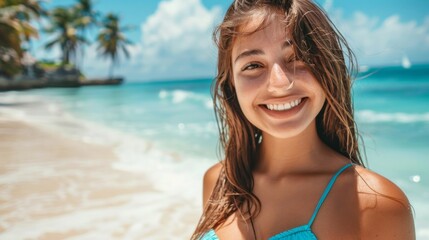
70	28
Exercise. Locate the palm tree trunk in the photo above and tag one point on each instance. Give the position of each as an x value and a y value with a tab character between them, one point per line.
112	65
66	57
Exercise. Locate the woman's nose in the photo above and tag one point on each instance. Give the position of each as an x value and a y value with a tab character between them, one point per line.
278	80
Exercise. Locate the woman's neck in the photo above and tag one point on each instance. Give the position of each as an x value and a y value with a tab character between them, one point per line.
298	154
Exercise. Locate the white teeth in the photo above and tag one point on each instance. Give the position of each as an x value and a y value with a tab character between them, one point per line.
285	106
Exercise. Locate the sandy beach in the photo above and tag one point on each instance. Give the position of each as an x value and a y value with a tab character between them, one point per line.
54	187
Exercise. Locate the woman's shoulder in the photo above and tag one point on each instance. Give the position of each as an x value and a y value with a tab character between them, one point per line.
372	185
386	211
213	172
209	181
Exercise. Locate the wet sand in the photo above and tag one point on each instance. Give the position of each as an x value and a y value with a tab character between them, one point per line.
55	187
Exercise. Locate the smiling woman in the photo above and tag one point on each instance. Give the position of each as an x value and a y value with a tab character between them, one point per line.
292	167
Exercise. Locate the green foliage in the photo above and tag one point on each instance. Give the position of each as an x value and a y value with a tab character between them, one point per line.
9	62
112	41
87	16
49	65
64	22
15	29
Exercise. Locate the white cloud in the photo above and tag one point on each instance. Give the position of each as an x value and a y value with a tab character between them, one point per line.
176	41
384	42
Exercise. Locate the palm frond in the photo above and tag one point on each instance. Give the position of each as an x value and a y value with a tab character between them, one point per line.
111	40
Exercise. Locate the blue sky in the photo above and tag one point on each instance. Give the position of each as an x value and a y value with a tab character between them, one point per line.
172	38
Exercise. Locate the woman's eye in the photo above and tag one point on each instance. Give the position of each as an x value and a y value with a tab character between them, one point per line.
250	66
292	60
295	65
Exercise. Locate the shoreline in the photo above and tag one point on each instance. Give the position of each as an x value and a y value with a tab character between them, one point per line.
34	83
57	186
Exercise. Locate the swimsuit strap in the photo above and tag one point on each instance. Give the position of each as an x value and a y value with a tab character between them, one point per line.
325	193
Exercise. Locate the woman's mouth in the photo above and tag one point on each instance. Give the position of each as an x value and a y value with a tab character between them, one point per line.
284	106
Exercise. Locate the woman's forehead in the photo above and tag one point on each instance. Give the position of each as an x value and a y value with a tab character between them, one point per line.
260	19
253	34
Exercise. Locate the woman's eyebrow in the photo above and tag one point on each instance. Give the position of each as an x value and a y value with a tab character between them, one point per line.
286	44
249	53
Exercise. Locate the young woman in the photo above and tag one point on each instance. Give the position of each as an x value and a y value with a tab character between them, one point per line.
292	167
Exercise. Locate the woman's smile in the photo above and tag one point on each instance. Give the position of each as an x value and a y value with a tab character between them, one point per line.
284	106
284	110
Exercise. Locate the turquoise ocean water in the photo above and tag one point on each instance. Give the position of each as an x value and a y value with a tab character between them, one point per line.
392	111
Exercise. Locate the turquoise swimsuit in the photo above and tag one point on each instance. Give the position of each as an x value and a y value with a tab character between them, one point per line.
298	233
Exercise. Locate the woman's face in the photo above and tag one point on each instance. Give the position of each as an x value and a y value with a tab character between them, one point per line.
264	67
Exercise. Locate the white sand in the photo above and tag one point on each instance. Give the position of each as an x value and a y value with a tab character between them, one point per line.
56	187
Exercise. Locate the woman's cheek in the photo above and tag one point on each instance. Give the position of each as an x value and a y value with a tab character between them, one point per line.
247	92
250	83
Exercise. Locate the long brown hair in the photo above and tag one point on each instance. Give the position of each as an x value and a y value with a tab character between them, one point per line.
319	44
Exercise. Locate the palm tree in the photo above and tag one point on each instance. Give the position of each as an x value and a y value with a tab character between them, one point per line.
11	29
17	15
33	10
87	18
112	41
64	21
10	48
15	28
86	14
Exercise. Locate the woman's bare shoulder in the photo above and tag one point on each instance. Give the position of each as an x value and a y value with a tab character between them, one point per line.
372	183
209	181
385	210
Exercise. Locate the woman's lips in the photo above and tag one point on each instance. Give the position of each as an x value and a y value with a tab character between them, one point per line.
284	110
284	106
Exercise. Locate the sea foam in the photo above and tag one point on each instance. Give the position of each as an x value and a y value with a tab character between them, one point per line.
368	116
